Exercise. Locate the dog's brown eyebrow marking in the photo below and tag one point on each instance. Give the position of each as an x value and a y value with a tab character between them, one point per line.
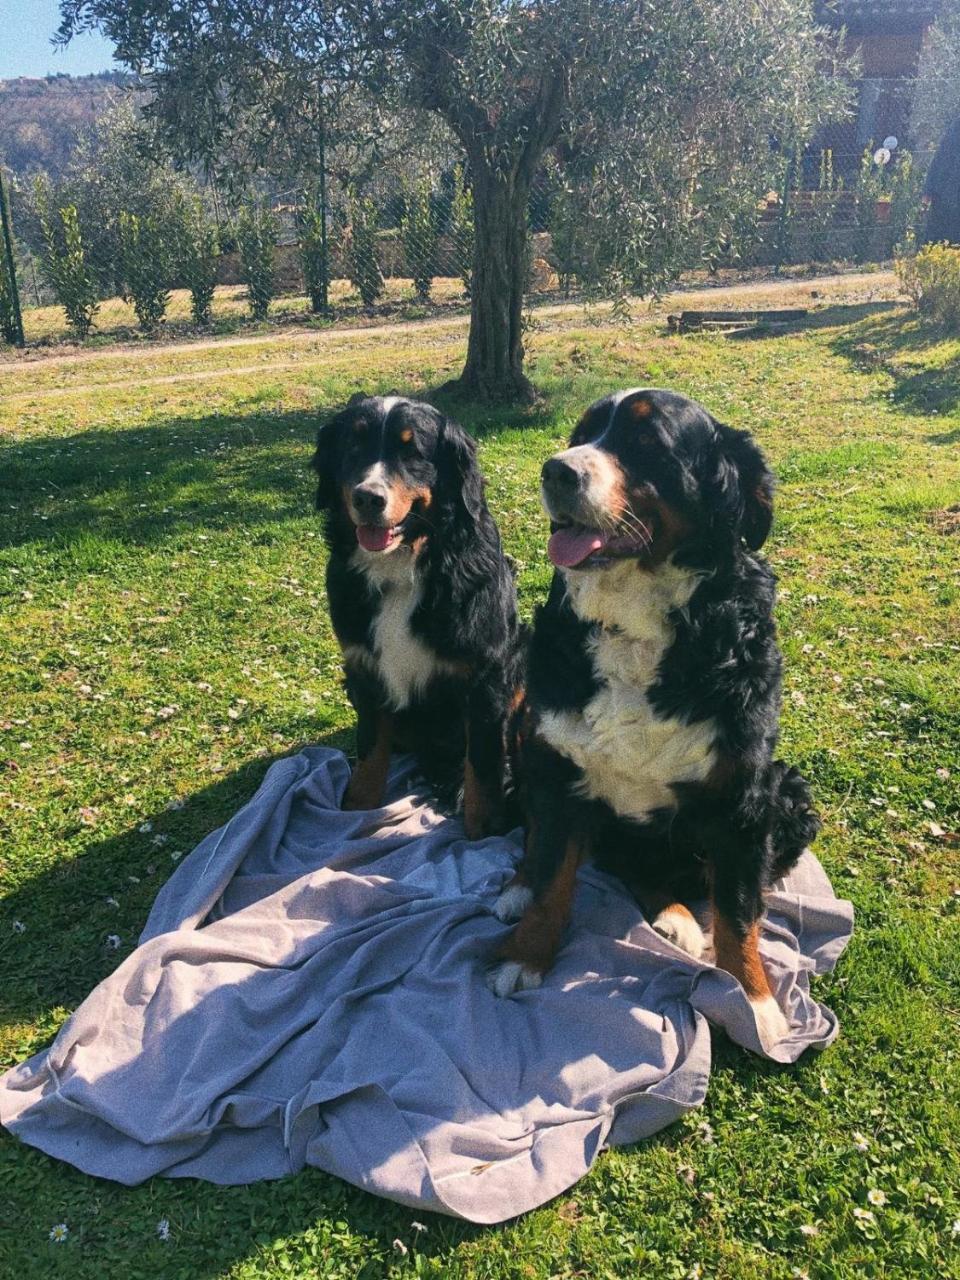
406	435
641	408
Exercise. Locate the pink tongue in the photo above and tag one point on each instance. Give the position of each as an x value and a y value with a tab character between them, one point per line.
569	547
373	538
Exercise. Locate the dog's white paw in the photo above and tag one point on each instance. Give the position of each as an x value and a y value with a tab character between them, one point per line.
771	1023
509	976
682	930
513	902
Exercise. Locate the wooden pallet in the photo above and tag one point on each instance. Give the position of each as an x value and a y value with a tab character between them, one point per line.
734	321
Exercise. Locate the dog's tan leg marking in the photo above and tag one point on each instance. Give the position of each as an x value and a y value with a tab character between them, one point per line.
529	952
740	955
368	782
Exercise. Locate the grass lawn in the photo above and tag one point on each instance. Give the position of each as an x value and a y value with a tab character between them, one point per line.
163	637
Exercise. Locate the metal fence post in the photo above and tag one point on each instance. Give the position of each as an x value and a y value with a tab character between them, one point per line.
10	265
324	251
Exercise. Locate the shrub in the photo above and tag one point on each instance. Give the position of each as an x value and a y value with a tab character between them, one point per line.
460	228
363	264
824	204
145	262
197	253
420	239
931	279
313	257
868	191
64	262
256	237
906	186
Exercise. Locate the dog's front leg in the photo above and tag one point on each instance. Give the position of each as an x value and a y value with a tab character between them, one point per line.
484	773
541	894
368	782
740	857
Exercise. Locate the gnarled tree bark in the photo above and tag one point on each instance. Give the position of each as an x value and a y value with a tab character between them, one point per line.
494	364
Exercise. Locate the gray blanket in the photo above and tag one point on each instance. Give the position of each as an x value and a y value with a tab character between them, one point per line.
309	989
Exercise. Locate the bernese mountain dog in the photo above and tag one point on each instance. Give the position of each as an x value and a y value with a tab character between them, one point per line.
653	692
422	601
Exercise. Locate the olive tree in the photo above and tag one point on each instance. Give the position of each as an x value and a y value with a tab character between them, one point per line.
666	108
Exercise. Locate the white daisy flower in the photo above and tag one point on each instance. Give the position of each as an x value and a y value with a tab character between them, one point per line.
19	926
113	941
418	1226
876	1197
401	1248
808	1229
863	1215
59	1233
163	1229
705	1129
861	1141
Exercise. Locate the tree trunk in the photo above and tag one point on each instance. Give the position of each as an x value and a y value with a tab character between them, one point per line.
494	366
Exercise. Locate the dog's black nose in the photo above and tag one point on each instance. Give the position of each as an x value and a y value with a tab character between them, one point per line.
369	502
559	477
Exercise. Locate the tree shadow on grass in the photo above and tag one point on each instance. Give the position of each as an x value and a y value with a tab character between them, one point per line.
893	343
145	485
141	486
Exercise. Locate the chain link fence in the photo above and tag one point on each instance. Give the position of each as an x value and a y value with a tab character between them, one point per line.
400	247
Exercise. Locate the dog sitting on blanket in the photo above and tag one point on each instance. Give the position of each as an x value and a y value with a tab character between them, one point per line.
422	601
653	692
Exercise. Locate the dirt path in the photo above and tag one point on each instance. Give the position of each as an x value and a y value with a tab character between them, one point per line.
848	287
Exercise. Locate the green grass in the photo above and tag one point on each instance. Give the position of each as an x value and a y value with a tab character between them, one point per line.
163	636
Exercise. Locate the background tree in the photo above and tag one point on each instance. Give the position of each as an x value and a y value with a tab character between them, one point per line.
145	261
256	240
936	101
197	253
64	260
363	263
419	233
117	166
666	107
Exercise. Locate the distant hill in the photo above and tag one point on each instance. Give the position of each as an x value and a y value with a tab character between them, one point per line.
41	119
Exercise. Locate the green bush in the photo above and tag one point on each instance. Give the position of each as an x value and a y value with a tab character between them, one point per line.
145	263
197	253
419	239
64	263
256	238
906	187
363	263
313	256
460	228
931	279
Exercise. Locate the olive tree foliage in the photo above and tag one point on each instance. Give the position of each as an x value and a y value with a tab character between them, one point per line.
936	99
662	111
115	169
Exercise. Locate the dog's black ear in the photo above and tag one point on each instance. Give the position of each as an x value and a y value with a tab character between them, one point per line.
746	485
458	471
325	462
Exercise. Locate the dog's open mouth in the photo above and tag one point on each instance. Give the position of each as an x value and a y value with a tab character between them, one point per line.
573	546
375	537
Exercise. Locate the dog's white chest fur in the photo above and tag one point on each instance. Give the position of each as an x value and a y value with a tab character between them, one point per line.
404	664
629	756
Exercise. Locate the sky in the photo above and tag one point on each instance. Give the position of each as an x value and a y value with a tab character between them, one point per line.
25	49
